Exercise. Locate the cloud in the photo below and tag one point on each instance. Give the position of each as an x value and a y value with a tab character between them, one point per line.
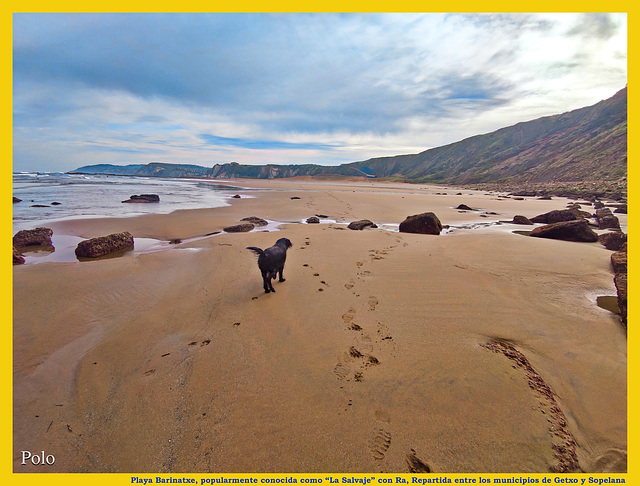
298	87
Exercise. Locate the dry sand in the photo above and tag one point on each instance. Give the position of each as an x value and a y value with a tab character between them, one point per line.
371	356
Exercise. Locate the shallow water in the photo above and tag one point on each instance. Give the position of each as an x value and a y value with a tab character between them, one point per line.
81	195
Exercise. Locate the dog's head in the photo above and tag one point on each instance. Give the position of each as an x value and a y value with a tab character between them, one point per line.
284	243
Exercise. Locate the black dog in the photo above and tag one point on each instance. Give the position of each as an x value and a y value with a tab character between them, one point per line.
271	261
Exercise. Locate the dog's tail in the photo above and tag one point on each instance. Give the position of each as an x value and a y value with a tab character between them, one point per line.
257	251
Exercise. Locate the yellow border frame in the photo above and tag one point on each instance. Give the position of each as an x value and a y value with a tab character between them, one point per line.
6	357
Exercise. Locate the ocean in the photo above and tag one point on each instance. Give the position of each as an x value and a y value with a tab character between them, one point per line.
85	196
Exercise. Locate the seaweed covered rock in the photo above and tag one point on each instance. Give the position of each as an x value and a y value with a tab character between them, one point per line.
619	264
240	228
254	220
104	245
606	219
33	237
613	240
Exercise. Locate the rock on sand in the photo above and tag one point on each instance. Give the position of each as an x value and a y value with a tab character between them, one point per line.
361	224
103	245
566	230
33	237
424	223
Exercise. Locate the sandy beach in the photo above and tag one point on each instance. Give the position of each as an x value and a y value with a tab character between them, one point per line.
381	352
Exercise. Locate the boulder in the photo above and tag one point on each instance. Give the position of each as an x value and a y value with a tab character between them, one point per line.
361	224
143	198
619	261
606	219
18	259
621	209
104	245
598	204
558	215
620	280
33	237
619	264
239	228
464	207
255	221
56	203
16	200
313	220
424	223
518	219
236	196
566	230
613	240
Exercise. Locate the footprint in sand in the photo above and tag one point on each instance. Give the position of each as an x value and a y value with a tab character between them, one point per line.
349	285
383	332
415	464
150	372
348	316
354	361
342	371
383	416
373	302
380	443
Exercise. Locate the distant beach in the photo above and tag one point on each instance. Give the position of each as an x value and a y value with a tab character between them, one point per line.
479	350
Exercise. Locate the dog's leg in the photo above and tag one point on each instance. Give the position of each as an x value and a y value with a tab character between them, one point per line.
266	282
281	279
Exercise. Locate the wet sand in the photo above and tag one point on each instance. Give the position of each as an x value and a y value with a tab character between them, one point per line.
381	352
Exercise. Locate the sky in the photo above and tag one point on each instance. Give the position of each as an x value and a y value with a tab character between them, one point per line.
294	88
